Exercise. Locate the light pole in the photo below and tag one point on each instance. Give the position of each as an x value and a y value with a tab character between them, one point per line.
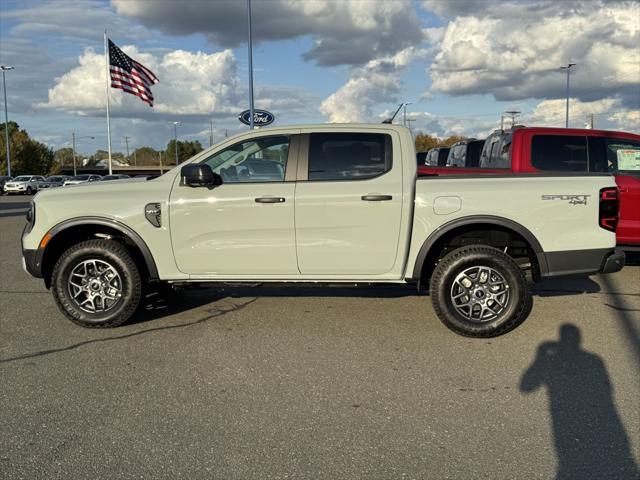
4	68
73	145
567	67
175	137
211	133
250	51
513	114
405	112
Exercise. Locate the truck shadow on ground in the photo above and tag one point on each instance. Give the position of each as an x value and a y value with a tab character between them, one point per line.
589	437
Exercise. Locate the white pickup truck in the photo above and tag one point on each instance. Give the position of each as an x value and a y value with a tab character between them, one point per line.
322	203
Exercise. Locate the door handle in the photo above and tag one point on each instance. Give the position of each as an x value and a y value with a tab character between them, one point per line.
376	198
269	200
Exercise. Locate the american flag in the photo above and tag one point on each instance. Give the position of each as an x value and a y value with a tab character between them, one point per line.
129	75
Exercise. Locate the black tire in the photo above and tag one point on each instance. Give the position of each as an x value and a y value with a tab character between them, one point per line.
130	283
517	302
29	191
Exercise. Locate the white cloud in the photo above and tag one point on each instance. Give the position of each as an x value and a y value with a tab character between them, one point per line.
349	32
506	51
190	84
609	113
377	82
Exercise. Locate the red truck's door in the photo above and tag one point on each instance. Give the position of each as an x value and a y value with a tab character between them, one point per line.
623	156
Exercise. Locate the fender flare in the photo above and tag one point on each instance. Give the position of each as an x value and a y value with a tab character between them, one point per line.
438	233
107	222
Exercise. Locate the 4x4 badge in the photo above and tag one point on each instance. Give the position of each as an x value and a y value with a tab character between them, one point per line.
572	199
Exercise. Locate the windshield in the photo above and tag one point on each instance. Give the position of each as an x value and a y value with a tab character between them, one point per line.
54	179
81	177
22	179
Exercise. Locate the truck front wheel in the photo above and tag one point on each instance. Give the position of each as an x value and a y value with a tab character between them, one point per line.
97	284
479	291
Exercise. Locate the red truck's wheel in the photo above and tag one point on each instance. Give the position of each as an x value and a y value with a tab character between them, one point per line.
97	284
479	291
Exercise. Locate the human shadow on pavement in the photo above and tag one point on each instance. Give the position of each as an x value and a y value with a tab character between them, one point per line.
590	440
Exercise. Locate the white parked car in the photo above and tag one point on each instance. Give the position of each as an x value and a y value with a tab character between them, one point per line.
78	179
23	184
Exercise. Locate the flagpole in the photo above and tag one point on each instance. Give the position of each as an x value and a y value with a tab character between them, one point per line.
250	52
106	62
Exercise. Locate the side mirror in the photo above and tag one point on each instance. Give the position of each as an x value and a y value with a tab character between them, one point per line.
200	175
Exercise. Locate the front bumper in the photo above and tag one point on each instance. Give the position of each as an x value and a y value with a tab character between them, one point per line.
14	189
32	262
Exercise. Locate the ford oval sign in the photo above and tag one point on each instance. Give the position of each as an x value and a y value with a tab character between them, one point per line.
260	118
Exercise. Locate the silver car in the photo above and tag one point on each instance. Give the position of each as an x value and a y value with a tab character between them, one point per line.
23	184
53	181
78	179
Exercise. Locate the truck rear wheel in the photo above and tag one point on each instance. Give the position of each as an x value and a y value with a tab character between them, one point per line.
479	291
97	284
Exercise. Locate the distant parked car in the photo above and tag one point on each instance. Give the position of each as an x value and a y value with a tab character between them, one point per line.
53	181
465	154
117	176
23	184
3	179
85	178
437	157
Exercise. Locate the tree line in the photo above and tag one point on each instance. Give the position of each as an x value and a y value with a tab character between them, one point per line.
31	157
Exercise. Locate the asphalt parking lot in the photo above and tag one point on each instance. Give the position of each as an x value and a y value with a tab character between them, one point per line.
335	383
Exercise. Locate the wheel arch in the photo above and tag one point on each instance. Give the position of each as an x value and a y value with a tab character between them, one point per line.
473	223
75	230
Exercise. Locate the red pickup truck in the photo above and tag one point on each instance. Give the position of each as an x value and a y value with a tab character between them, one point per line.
538	150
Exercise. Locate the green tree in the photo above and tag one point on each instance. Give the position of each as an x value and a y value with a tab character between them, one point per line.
28	156
64	156
451	140
186	150
146	156
426	142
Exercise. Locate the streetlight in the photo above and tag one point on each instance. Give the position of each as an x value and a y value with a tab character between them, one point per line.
175	137
513	114
567	67
73	143
405	112
5	68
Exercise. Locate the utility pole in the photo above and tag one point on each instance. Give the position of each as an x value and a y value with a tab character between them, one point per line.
211	133
126	141
226	133
409	122
513	114
5	68
135	158
501	122
567	67
592	121
160	154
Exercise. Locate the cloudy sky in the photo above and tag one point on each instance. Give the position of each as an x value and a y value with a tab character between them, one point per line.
461	63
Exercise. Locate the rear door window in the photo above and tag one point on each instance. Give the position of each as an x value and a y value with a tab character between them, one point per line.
348	156
623	156
457	156
560	153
